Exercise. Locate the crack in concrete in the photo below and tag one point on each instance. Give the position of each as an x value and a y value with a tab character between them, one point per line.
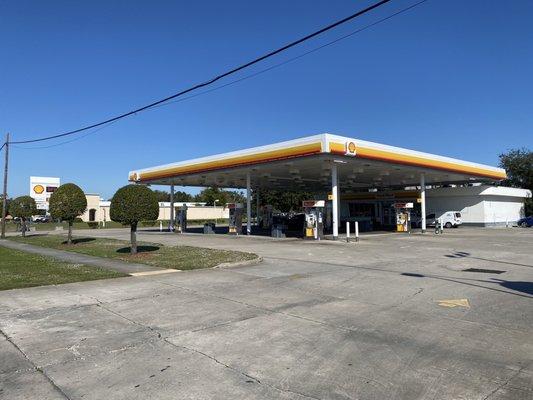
241	372
264	309
165	339
36	367
504	384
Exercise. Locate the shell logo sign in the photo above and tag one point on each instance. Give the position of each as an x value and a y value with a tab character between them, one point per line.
41	188
351	149
38	189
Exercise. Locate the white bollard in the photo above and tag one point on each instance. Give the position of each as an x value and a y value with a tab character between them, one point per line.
356	231
347	231
160	226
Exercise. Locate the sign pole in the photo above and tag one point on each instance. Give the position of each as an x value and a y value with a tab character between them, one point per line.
4	199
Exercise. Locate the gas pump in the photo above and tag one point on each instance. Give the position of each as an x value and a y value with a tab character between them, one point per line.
403	216
181	218
235	218
314	219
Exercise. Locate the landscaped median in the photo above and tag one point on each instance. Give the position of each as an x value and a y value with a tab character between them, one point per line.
19	269
176	257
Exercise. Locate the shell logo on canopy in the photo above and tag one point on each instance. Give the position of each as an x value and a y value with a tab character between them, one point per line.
38	189
351	149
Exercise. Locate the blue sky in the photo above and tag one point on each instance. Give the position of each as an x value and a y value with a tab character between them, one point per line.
448	77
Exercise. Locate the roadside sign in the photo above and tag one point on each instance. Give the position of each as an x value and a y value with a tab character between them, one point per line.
403	205
313	203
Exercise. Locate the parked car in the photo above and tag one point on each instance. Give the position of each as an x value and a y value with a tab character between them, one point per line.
450	219
42	218
526	222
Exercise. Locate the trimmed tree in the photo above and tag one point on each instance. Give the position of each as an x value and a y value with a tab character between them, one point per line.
518	163
23	207
132	204
67	203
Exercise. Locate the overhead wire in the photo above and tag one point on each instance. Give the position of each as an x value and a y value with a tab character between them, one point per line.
243	78
214	79
296	57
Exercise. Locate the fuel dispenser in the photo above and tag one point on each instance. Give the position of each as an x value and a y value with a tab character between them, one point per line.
314	219
235	218
181	218
403	216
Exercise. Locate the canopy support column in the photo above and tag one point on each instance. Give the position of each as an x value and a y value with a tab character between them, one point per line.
248	205
423	201
171	222
335	201
257	206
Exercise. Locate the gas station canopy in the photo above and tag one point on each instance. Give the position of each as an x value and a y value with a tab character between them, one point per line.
306	164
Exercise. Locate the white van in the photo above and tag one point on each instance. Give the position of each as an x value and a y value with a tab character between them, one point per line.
450	219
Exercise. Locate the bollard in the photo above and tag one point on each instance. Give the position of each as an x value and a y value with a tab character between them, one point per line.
347	231
356	231
160	226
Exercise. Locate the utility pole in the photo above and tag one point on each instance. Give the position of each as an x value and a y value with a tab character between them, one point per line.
4	200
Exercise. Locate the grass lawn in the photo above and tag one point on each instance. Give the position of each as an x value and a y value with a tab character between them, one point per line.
19	269
177	257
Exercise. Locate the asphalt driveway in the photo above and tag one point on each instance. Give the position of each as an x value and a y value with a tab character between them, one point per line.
393	317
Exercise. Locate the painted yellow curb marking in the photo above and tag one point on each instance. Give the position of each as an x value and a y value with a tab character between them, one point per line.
454	303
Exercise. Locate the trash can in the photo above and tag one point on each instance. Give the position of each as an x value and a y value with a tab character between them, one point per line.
277	231
209	227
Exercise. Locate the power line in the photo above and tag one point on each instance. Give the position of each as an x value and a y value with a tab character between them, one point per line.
243	78
66	141
294	58
216	78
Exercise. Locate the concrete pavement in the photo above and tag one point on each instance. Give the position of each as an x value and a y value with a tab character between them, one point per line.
313	321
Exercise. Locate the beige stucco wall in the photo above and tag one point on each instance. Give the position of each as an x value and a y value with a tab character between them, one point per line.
101	212
201	212
94	203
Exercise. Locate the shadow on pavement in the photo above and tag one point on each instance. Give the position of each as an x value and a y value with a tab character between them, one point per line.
462	254
140	249
80	240
518	286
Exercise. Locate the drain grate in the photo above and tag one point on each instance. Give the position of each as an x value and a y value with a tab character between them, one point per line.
484	270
